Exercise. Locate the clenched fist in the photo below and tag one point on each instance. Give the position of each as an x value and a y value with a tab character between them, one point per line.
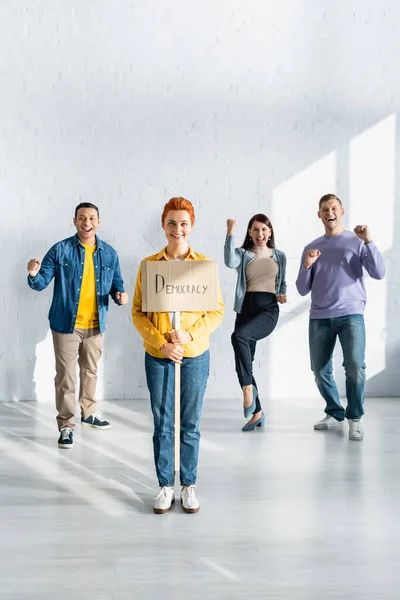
173	352
33	267
362	231
122	297
230	226
311	256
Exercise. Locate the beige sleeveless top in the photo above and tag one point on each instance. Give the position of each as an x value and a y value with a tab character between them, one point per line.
261	272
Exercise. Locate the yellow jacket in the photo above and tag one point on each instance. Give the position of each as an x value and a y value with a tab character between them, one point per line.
155	327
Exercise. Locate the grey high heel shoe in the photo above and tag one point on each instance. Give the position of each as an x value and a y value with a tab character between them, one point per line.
247	411
251	426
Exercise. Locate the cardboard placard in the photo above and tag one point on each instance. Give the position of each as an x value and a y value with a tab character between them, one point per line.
172	286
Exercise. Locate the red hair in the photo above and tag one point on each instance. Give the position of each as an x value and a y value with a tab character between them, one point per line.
178	204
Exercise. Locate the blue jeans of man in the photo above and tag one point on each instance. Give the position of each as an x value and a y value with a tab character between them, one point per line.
350	330
160	375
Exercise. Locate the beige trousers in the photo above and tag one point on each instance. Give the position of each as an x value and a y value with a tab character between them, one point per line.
84	345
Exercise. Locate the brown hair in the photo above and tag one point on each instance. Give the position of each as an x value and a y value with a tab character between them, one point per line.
248	242
328	197
178	204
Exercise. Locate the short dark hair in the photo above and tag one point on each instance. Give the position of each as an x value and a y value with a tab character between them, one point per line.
86	205
328	197
248	242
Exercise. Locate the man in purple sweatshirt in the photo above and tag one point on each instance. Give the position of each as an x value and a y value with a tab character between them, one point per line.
332	269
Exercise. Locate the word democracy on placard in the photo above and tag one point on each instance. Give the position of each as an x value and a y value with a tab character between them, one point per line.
178	289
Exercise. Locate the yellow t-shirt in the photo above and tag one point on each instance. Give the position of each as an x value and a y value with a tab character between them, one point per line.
88	316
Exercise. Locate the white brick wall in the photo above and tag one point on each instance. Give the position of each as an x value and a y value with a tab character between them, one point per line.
239	106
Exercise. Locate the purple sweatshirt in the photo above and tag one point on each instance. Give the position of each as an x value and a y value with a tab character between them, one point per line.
336	279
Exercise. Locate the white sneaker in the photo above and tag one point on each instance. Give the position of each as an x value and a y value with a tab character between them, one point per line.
164	500
189	502
327	423
356	432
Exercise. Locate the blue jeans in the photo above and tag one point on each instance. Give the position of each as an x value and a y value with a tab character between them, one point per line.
160	374
350	330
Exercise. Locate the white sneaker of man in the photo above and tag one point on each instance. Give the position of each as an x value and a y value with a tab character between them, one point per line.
164	500
189	502
327	423
356	432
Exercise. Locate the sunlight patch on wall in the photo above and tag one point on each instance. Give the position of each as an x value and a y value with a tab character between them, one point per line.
43	376
44	373
372	181
371	202
295	221
295	205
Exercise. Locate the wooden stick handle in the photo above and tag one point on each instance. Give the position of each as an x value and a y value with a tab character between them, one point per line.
177	325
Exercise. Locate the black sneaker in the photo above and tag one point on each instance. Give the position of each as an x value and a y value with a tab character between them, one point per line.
66	439
96	420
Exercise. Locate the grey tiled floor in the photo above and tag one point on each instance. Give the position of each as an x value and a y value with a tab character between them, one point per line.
286	513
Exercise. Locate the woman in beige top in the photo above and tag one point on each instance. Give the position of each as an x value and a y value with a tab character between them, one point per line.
260	286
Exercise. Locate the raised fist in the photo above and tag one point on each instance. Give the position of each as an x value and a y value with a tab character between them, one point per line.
231	226
311	256
33	267
362	231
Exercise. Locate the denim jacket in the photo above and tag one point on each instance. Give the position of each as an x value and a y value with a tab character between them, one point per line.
239	258
64	261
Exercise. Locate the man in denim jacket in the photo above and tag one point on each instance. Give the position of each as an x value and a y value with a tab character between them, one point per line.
86	271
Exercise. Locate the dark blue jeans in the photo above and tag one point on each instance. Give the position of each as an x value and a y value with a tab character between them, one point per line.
350	330
160	374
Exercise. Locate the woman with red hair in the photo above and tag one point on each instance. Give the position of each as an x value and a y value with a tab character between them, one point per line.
261	284
165	346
